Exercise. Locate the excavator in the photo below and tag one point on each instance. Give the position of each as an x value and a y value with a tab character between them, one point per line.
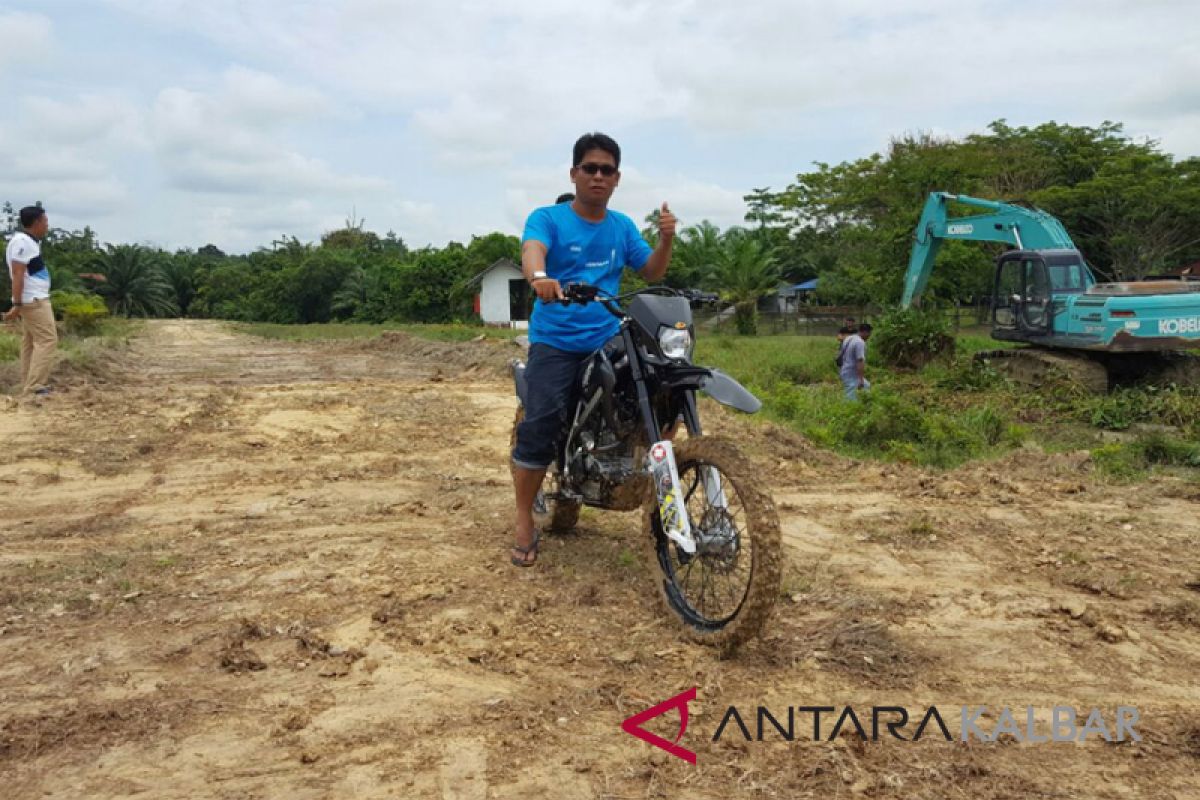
1044	294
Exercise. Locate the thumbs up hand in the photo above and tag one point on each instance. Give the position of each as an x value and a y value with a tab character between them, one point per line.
666	222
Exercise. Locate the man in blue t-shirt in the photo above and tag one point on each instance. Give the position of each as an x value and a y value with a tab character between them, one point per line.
577	242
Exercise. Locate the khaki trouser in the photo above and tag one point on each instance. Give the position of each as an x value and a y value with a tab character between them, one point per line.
39	338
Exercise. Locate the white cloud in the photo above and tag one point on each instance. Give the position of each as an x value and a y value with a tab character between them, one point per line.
72	202
261	98
25	37
487	82
430	117
232	139
61	152
90	119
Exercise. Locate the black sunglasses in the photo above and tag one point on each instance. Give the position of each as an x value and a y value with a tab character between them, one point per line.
607	170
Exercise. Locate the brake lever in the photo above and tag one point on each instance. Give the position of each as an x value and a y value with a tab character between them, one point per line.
571	295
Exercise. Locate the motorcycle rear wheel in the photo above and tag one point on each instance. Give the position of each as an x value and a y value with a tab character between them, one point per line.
549	515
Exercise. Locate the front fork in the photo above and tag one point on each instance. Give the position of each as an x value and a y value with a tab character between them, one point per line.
660	464
712	477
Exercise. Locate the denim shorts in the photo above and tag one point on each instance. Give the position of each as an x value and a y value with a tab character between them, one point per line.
551	376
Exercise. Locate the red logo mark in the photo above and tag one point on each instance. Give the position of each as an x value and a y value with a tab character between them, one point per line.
633	725
659	452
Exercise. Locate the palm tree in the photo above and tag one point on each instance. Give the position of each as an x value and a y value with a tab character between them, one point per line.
747	270
134	283
697	251
351	295
180	272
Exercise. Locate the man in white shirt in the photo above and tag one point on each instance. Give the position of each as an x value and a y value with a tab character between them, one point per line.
31	300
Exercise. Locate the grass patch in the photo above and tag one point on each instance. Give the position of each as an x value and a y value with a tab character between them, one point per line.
76	354
919	532
627	559
1127	462
952	411
10	347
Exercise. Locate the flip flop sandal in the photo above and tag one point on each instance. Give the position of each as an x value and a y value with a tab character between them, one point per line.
527	551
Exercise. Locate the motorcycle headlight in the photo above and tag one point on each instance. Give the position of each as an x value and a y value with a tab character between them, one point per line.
675	343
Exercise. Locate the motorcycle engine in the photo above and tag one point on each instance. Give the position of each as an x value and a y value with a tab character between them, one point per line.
601	464
605	460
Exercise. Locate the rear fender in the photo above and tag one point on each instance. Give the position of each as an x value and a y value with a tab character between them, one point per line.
517	367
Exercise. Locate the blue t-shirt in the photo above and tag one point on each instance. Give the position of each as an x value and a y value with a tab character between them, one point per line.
578	251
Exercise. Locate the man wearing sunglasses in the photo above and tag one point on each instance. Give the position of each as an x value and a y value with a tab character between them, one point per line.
578	242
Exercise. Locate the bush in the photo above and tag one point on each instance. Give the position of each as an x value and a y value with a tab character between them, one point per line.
1119	410
910	338
886	424
1169	451
1124	407
10	347
82	314
1131	460
988	424
1120	461
880	417
969	376
802	372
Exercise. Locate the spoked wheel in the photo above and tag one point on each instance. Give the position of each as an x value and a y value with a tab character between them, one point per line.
549	515
725	591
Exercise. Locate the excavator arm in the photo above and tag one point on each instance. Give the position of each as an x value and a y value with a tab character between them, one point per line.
1023	228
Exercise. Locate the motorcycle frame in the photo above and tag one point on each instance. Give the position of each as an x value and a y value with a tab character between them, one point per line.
653	431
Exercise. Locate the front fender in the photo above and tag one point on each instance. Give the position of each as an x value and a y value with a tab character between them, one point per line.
727	391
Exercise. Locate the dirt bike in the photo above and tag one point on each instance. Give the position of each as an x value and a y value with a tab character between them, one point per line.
710	526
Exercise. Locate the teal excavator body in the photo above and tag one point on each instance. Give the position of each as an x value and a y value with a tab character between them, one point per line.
1043	291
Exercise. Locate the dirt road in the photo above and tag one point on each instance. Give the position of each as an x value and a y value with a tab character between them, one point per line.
240	568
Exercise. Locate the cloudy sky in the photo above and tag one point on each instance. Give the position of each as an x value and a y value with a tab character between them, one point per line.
234	122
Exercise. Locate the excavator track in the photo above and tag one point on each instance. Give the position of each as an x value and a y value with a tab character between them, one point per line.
1177	369
1034	367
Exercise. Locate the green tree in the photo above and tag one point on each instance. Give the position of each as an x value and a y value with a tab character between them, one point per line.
746	271
695	256
1129	207
1139	214
223	287
180	271
134	284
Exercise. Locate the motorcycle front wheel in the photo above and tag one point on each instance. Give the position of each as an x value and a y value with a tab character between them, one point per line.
724	592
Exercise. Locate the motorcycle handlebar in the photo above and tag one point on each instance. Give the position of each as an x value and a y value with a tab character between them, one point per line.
584	293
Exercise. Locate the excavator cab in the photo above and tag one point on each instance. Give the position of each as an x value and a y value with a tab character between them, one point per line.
1023	298
1045	295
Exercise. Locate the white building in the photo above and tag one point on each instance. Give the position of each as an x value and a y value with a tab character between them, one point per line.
502	296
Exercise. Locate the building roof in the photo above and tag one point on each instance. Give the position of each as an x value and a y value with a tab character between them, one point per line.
499	262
